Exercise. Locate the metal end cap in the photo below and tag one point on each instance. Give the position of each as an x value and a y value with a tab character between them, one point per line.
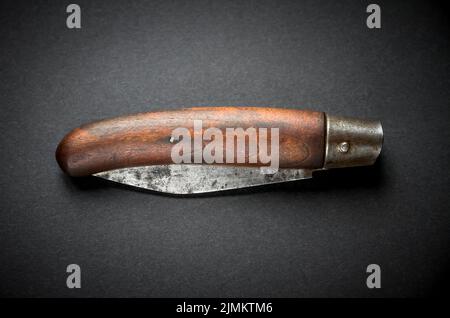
352	142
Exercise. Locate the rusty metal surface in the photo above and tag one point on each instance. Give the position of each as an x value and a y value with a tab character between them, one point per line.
352	142
191	178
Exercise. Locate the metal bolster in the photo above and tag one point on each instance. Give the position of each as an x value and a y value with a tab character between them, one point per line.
351	142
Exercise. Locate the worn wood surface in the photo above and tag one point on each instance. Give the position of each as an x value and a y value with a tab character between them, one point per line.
144	139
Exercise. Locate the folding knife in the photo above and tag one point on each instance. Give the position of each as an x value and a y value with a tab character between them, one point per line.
207	149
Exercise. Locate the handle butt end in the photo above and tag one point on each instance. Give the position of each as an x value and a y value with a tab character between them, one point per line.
352	142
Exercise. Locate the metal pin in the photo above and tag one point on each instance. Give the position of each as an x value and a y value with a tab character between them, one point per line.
343	147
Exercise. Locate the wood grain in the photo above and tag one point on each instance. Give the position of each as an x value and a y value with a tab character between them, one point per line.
144	139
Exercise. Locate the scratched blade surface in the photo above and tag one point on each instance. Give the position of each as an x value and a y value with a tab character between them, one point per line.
190	178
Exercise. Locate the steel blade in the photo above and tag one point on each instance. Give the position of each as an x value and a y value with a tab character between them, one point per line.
191	178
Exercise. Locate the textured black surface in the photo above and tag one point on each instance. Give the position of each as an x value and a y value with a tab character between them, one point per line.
311	238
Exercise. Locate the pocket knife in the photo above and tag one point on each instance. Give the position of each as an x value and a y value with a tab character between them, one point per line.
208	149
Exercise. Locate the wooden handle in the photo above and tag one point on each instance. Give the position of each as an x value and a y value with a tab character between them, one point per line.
145	139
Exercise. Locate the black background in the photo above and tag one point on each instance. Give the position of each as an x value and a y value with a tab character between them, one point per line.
313	238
